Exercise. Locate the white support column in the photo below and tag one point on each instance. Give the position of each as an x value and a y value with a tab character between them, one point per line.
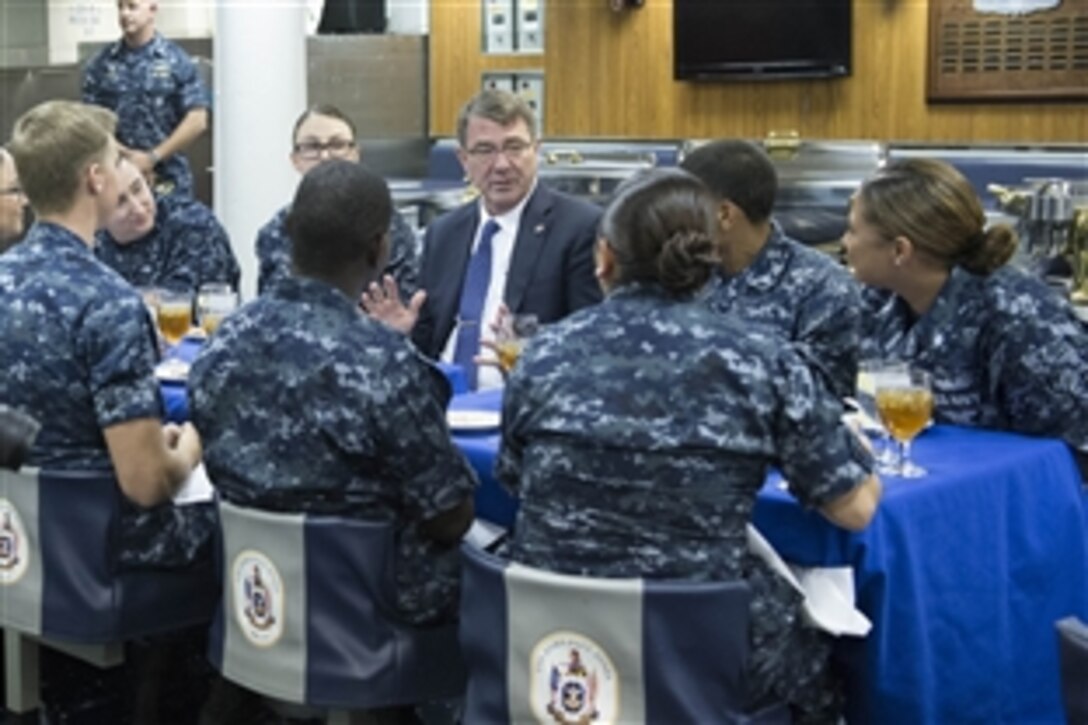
260	88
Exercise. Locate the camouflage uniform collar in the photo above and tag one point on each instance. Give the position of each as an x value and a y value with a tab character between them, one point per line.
642	290
766	270
156	46
314	291
941	315
54	235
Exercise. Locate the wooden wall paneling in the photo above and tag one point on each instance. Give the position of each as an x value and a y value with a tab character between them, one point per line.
610	75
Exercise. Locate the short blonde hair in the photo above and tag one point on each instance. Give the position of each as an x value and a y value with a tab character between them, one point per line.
53	143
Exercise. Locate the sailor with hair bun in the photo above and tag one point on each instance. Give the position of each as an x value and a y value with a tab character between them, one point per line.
1004	350
639	431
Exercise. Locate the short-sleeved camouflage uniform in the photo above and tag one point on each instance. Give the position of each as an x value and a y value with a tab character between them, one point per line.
186	248
305	404
78	354
151	89
803	296
638	434
1004	351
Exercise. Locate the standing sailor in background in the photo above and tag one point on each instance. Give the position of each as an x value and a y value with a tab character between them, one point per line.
154	88
770	280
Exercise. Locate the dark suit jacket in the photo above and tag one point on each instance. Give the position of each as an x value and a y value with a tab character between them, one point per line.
551	266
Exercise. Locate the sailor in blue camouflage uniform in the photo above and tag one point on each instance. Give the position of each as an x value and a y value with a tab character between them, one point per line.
274	254
638	433
324	132
1003	349
766	278
172	242
305	404
155	89
79	347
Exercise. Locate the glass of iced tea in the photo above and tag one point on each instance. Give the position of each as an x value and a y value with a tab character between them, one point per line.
869	372
905	403
175	314
512	334
214	302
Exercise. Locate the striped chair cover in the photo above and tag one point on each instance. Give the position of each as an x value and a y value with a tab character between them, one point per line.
58	578
306	615
543	647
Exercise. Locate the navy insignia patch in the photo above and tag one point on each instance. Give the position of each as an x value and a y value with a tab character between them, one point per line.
573	681
14	553
258	598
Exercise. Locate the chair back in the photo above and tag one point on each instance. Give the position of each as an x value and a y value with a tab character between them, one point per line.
58	578
545	647
1073	651
308	615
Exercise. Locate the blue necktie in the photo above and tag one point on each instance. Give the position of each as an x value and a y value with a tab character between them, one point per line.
473	294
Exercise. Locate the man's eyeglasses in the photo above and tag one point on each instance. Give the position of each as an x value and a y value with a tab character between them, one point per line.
513	149
311	150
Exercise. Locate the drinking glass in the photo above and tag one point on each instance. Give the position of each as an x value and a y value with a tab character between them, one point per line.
175	314
513	331
869	371
214	302
150	296
905	402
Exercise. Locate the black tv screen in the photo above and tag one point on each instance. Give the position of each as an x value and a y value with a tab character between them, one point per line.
761	39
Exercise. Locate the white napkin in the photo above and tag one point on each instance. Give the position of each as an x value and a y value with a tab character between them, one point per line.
828	591
483	534
197	488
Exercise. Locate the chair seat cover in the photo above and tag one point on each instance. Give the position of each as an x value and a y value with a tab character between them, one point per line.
544	647
308	615
1073	650
58	578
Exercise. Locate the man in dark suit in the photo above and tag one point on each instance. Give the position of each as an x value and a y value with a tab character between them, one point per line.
520	245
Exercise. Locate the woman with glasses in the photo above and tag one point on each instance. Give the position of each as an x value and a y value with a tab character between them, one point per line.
12	202
321	133
638	432
1004	350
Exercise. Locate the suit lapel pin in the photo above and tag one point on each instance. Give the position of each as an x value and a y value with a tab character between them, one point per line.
538	229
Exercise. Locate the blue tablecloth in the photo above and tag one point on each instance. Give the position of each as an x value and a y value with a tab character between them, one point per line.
175	400
963	573
493	503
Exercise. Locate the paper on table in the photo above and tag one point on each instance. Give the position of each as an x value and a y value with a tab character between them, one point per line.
197	488
483	534
828	591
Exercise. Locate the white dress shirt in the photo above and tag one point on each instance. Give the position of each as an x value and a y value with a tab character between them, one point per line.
502	249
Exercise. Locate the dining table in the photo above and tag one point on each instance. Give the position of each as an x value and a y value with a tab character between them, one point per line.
963	572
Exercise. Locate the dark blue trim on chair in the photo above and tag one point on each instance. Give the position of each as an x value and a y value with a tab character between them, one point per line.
670	695
484	639
360	655
75	511
84	598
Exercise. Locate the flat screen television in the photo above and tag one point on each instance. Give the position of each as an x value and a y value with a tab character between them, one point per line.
761	39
